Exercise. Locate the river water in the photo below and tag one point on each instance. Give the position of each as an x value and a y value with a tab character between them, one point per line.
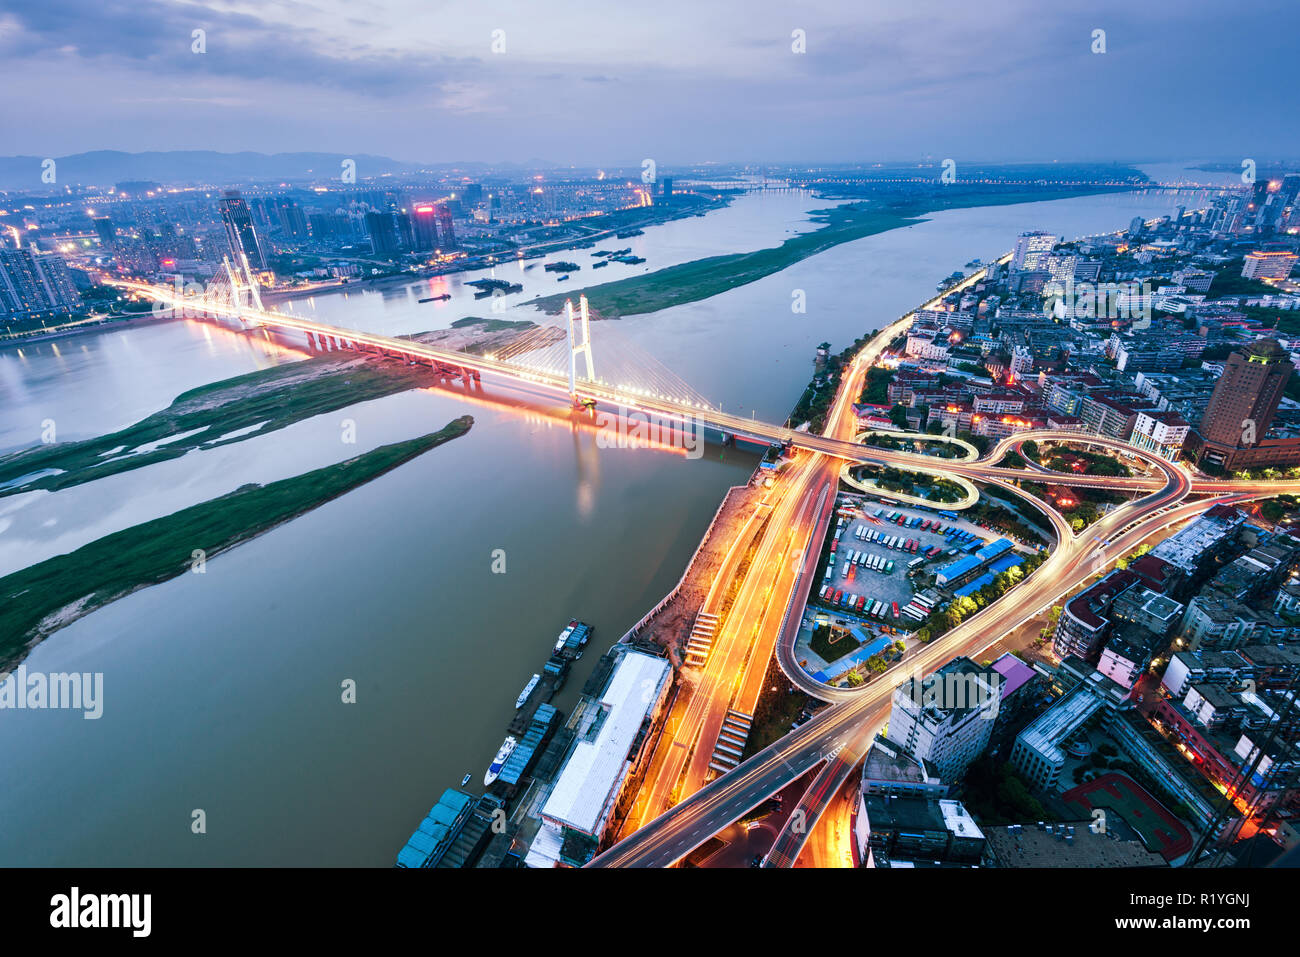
222	690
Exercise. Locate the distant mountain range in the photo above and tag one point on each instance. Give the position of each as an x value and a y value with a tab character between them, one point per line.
203	167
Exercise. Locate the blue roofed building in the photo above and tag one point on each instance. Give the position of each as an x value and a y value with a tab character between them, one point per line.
957	571
990	558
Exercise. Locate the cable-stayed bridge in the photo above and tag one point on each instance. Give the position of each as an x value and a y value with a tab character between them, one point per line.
548	357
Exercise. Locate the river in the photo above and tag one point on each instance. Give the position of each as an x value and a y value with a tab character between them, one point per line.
222	690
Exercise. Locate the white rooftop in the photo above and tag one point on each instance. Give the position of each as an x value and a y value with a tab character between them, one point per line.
596	767
545	849
958	820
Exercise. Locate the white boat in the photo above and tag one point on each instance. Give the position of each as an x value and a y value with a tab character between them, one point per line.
528	689
499	762
564	636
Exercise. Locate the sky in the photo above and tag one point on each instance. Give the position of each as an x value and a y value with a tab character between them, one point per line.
590	83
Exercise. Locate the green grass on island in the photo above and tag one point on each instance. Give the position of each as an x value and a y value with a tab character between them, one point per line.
259	402
703	278
44	597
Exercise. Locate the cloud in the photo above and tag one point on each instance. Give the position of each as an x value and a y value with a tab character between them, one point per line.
417	80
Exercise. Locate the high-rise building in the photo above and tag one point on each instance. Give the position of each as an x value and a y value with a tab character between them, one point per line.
104	230
1268	265
425	226
1247	395
446	234
240	231
667	188
1032	250
947	718
405	231
35	284
1290	188
292	220
322	226
383	237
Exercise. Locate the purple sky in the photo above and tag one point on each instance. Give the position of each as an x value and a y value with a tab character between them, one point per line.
591	83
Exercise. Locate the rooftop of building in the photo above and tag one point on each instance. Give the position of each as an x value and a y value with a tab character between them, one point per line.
1156	572
1025	845
1015	674
942	695
1275	655
1057	724
1168	417
906	812
1082	606
596	765
959	822
888	763
1216	695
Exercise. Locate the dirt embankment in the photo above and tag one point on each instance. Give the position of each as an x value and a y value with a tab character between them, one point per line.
672	626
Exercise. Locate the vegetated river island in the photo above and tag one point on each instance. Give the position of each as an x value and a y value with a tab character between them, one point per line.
44	597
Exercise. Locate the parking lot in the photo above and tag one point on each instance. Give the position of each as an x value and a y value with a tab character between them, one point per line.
868	533
864	538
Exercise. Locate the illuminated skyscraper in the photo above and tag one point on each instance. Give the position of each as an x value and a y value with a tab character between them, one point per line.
239	229
425	226
1244	400
1032	250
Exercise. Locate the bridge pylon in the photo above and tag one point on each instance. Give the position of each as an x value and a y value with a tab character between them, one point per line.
575	346
240	280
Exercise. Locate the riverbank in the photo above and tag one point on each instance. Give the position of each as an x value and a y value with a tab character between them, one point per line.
43	598
703	278
81	327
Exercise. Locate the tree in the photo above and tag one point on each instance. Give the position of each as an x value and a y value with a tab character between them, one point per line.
1053	618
